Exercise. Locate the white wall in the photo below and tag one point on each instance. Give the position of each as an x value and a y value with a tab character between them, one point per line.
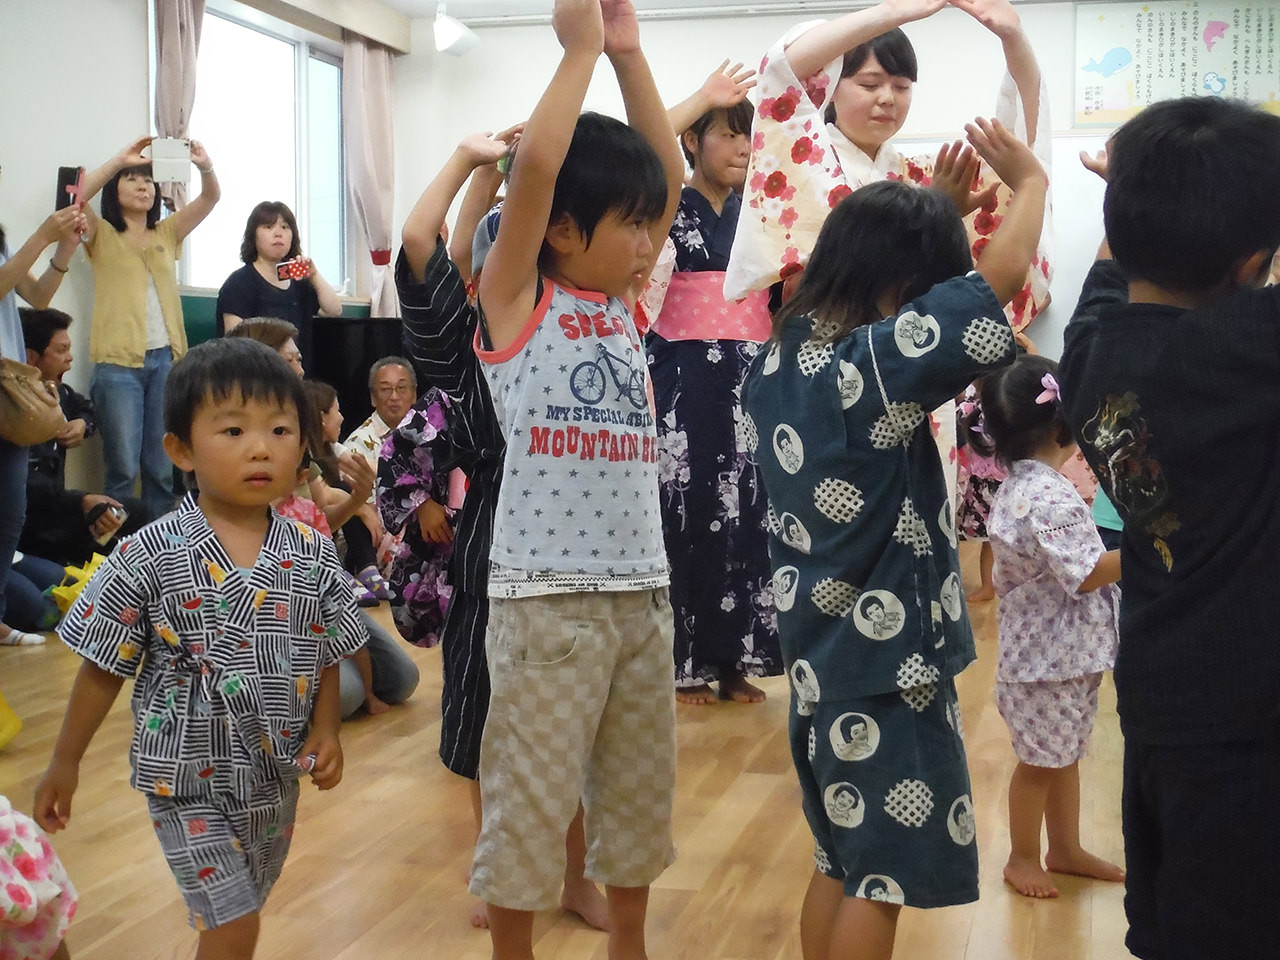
74	76
439	99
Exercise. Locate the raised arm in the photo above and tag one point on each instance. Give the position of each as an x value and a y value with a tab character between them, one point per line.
645	112
510	279
62	227
477	202
814	49
726	87
474	154
95	180
1000	18
1005	260
189	217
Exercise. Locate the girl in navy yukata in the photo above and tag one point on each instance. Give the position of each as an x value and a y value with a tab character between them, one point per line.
699	348
890	320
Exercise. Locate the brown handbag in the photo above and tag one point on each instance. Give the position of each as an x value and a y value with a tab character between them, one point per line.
29	409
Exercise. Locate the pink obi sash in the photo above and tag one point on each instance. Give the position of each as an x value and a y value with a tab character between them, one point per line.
695	309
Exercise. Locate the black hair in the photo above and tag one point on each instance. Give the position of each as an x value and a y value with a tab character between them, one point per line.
110	203
1015	425
39	326
865	604
892	50
737	118
393	361
226	367
885	238
264	215
272	331
609	168
1193	188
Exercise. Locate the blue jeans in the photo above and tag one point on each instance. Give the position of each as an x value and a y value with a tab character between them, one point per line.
13	507
130	406
395	675
30	608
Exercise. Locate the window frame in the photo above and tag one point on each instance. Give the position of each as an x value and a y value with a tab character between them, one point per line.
306	45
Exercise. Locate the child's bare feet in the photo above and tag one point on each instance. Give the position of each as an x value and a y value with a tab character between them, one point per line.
480	915
1029	878
982	594
373	706
737	689
585	899
1081	863
698	696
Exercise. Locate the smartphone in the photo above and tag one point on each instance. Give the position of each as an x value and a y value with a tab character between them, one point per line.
298	269
170	160
94	515
70	180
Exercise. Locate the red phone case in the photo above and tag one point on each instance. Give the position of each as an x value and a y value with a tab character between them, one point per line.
292	270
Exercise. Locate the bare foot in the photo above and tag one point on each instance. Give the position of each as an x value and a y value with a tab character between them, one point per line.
373	706
699	695
1084	864
982	594
480	915
739	690
1029	878
585	899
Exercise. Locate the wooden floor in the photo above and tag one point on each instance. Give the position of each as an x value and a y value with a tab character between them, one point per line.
377	867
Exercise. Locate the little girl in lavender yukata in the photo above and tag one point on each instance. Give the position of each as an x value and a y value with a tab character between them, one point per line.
1058	621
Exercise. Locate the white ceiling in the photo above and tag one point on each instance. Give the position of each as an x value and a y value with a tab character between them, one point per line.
491	11
472	10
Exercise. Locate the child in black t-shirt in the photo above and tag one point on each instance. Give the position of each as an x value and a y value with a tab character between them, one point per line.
1171	382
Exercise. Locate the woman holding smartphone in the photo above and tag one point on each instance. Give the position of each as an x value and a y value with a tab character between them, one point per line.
138	328
276	280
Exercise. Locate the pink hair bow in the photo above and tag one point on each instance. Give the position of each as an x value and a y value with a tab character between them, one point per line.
1050	393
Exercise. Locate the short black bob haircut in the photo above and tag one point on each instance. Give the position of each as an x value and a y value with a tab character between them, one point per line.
609	168
1193	189
887	238
110	203
894	53
231	367
1014	424
737	118
264	215
39	326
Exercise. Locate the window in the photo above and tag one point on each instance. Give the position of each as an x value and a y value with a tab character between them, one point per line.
268	109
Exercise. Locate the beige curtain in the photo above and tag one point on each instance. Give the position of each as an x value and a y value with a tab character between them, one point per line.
368	141
177	42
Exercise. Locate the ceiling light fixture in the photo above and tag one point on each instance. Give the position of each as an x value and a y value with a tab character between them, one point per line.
452	35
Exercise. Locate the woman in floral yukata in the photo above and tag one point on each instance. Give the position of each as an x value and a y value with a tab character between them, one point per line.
413	491
699	347
832	96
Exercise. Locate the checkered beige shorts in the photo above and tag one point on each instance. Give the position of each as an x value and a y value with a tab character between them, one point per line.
583	706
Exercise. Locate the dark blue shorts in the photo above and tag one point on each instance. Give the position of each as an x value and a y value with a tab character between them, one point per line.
886	793
1201	839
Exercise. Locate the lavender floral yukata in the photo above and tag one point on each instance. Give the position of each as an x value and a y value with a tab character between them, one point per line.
1054	641
411	471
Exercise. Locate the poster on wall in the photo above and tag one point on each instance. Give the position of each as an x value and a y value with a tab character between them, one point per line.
1129	55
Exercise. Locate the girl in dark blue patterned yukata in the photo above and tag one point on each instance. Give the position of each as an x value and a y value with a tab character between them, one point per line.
713	505
890	320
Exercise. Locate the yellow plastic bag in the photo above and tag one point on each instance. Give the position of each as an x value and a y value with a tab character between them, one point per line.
10	722
66	592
